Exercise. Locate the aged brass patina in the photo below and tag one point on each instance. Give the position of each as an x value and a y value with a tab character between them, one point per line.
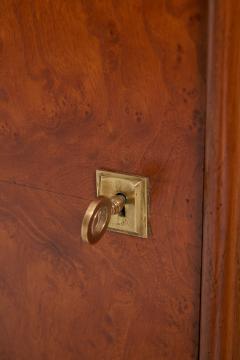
121	205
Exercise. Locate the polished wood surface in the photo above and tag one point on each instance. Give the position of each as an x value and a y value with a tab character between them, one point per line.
220	318
88	85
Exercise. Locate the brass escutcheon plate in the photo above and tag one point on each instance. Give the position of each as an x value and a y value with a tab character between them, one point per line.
134	219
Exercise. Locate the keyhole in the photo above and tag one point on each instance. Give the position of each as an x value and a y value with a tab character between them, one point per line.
123	211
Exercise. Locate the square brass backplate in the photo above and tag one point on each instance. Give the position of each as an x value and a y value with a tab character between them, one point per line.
134	219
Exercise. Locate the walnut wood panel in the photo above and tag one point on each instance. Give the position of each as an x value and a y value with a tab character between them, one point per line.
88	85
220	325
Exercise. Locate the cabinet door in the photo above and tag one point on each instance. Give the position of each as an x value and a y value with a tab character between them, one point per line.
87	85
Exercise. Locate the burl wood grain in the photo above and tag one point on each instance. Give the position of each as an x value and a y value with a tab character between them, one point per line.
220	320
88	85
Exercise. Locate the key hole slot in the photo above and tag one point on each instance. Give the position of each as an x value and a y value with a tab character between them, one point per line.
123	211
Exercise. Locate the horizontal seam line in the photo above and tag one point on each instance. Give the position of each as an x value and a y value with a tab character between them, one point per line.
35	187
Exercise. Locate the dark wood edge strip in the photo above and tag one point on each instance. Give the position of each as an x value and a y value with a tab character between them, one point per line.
220	299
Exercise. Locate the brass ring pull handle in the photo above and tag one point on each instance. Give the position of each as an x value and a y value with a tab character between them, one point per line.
98	215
